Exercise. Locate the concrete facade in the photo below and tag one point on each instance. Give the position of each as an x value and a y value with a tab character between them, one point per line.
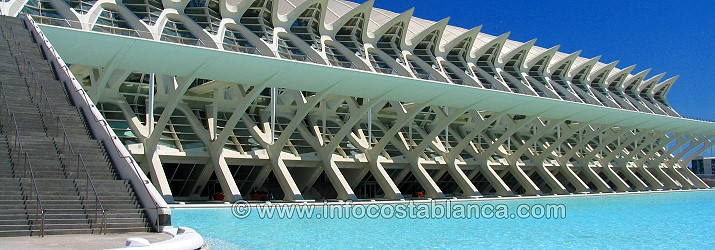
334	100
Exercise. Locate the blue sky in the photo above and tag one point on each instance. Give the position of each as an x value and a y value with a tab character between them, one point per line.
677	37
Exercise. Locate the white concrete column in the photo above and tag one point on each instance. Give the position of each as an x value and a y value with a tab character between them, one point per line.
443	120
526	182
223	174
501	188
592	156
426	181
383	179
404	117
695	143
550	179
707	144
303	108
632	158
107	77
158	176
329	167
467	187
596	180
465	143
684	182
345	192
580	186
150	143
563	136
584	140
535	137
521	177
654	183
694	178
654	149
285	179
638	183
667	180
621	185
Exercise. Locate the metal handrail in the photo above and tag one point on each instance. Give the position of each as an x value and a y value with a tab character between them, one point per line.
85	97
40	210
242	49
116	30
52	21
388	71
497	86
7	108
295	57
98	205
457	81
43	93
80	161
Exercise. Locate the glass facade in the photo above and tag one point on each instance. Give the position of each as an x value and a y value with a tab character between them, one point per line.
697	166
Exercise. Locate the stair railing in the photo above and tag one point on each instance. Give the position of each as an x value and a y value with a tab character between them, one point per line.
18	151
4	102
9	35
43	97
154	205
15	47
25	67
89	183
26	70
39	209
34	79
98	206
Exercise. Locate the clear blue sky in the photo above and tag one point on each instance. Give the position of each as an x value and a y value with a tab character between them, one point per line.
677	37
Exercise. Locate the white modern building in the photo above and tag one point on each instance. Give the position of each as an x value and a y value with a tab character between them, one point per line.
313	99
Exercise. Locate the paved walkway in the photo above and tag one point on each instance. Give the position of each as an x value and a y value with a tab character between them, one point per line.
77	241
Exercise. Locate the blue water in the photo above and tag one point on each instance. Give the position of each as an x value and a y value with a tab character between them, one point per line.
658	220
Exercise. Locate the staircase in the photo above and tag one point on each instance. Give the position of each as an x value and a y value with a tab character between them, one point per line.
54	176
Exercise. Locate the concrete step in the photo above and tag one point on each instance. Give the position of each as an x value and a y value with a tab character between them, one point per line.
6	196
90	205
14	211
18	206
12	192
120	220
61	186
51	211
24	222
18	233
63	221
89	214
9	184
128	230
120	225
16	216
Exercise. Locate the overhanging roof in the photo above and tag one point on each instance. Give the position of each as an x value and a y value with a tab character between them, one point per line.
142	55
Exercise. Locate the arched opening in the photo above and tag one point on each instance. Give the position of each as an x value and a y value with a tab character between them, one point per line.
258	19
